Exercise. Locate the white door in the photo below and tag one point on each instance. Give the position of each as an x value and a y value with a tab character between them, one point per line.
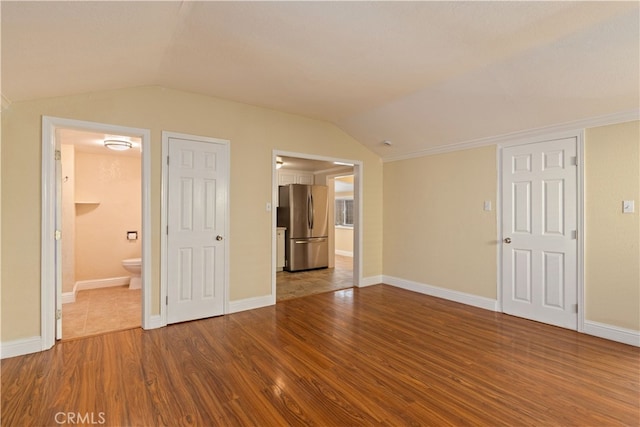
58	238
196	219
539	273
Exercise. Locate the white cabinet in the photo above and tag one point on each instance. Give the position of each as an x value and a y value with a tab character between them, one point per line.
286	177
280	249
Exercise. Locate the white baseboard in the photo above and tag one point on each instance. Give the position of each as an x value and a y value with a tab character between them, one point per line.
101	283
369	281
613	333
250	303
68	297
448	294
344	253
20	347
155	322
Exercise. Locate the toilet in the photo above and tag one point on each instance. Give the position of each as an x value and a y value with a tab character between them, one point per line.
134	266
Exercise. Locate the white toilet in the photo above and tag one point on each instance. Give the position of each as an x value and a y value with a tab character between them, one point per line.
134	266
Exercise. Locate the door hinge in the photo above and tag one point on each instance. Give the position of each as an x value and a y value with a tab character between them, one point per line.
574	234
167	160
58	314
574	161
166	302
167	229
58	155
57	235
574	308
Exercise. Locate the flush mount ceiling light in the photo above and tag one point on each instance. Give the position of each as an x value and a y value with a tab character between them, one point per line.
117	144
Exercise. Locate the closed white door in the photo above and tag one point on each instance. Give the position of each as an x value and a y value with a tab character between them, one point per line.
539	273
196	219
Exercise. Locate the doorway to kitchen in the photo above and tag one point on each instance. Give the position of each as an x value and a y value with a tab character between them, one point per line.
341	178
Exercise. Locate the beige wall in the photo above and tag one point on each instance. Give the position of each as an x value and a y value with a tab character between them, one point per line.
344	239
113	181
436	233
612	259
435	229
254	133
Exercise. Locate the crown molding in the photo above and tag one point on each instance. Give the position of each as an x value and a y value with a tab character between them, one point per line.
609	119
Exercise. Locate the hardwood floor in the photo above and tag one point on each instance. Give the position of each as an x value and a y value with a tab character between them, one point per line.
304	283
358	357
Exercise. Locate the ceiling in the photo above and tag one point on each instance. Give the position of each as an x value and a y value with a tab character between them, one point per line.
422	75
92	142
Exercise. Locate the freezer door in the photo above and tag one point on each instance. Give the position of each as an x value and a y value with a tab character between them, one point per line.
305	254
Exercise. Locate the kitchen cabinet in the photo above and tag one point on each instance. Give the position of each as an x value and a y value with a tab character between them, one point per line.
286	177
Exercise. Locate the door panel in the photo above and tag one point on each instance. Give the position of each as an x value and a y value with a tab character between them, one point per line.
539	277
196	217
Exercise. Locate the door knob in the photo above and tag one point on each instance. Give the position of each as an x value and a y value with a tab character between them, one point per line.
507	240
218	237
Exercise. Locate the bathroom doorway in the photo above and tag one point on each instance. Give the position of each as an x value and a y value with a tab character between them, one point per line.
95	204
101	229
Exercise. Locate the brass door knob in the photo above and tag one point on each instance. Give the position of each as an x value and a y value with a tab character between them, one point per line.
507	240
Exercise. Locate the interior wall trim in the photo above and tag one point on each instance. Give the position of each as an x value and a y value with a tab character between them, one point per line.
448	294
610	119
612	333
251	303
20	347
370	281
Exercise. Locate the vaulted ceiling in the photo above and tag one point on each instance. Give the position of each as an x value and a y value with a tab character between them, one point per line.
420	74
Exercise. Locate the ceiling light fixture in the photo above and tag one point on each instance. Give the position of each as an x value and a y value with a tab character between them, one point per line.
117	144
387	143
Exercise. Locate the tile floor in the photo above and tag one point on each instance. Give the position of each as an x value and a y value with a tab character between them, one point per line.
303	283
97	311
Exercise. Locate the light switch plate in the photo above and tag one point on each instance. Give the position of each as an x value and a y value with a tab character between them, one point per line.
268	207
628	206
487	205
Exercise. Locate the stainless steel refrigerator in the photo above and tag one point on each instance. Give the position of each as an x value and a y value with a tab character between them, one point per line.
303	210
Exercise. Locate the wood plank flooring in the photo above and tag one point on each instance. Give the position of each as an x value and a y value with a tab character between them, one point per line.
358	357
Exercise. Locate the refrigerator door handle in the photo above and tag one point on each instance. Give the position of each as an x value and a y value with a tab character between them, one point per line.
311	211
310	240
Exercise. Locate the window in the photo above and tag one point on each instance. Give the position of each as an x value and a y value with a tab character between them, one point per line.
344	212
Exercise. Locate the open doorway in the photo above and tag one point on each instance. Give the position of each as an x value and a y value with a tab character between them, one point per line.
341	271
101	209
83	202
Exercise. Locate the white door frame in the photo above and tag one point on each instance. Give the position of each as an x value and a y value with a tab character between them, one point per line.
357	198
579	136
164	290
48	267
